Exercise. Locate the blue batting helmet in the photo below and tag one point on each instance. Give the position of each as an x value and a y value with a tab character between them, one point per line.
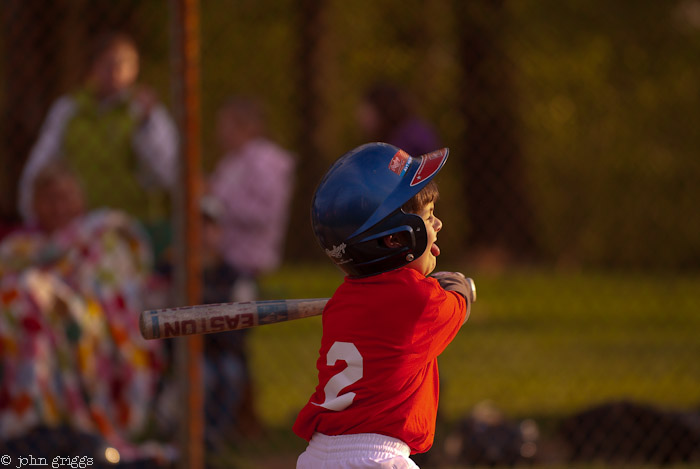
358	202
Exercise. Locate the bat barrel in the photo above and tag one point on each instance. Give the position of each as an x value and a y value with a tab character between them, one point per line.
207	319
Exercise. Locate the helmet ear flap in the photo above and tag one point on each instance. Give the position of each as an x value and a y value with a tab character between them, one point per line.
382	257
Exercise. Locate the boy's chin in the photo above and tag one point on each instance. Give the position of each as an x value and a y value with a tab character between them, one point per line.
424	266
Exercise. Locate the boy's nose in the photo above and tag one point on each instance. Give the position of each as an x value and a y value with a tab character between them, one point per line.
437	225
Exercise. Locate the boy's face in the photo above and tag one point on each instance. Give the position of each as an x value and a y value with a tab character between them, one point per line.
426	263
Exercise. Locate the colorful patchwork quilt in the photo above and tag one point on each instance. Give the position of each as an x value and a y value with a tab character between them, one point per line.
70	348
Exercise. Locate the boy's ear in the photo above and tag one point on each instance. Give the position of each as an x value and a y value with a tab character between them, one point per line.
392	241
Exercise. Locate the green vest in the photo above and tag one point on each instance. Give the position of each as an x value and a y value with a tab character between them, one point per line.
97	144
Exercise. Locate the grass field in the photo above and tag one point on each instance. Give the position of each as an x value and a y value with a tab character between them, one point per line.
539	344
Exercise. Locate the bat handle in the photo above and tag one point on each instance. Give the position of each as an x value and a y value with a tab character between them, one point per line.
472	289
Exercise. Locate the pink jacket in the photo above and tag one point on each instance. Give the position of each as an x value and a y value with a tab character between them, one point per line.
254	187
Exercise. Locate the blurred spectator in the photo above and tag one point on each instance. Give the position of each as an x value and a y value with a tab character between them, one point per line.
248	194
386	114
58	198
117	137
76	374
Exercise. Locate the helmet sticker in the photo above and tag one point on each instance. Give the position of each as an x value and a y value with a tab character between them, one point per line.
337	253
399	163
430	164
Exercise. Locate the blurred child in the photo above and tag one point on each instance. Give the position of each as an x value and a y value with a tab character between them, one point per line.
252	185
251	189
228	403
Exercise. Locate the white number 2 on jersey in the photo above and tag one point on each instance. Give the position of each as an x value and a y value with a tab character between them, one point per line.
347	352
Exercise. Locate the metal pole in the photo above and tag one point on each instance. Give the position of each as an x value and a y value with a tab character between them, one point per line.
189	350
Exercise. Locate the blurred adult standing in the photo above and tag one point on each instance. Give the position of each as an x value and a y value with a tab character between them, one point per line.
113	132
386	114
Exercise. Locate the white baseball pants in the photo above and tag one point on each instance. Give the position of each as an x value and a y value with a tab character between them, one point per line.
361	451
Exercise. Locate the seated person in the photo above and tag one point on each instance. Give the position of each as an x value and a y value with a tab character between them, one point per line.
76	374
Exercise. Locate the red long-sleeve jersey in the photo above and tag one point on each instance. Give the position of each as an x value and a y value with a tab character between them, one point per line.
377	366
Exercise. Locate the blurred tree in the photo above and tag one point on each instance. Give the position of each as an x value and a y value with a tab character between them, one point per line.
312	60
31	81
495	184
609	120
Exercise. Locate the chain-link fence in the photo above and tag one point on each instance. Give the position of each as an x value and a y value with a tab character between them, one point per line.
569	196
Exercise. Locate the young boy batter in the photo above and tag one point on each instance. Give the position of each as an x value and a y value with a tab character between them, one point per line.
383	329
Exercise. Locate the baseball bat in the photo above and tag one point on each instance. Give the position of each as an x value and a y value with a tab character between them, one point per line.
220	317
